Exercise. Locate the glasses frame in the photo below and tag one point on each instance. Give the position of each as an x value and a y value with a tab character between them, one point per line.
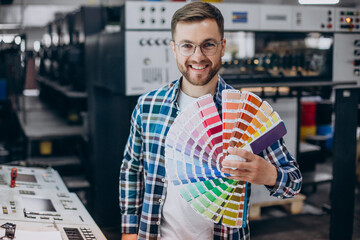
197	45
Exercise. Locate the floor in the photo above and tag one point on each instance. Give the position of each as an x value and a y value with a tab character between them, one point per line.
313	223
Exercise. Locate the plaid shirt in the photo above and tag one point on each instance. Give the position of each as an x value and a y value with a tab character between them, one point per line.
142	175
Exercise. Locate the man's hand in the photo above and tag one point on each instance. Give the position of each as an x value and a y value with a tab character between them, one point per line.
255	170
129	236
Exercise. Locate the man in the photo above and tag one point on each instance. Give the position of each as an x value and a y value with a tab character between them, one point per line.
150	205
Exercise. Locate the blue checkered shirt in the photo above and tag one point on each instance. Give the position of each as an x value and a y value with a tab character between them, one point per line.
142	174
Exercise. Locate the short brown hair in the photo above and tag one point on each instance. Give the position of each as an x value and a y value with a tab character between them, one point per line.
196	12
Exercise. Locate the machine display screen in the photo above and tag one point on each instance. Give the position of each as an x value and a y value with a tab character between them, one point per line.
26	178
38	205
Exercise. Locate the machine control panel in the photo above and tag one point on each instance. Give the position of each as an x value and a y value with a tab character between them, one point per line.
40	201
320	19
153	65
257	17
149	15
346	60
347	20
32	178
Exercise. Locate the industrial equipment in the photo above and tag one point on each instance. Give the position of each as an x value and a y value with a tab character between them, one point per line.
40	202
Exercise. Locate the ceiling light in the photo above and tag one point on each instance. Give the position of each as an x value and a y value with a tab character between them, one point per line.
314	2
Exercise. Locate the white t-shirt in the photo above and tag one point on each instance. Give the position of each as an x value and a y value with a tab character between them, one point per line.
179	220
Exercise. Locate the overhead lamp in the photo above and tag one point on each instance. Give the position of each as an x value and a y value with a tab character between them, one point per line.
314	2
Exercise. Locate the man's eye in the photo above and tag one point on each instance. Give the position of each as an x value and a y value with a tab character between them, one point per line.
186	45
208	45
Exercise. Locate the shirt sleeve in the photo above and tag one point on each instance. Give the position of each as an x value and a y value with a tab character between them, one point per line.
289	179
131	177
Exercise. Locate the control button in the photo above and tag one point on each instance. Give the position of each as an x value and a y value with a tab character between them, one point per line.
341	19
163	9
158	42
142	42
357	43
147	61
153	20
142	21
342	13
357	72
151	42
322	25
329	19
163	21
329	25
357	52
152	9
166	41
142	9
329	12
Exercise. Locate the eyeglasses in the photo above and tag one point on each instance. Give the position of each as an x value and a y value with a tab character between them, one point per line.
208	48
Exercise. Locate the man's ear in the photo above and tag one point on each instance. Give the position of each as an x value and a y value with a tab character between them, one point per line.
223	44
173	48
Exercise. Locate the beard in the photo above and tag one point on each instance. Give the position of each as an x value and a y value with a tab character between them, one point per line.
199	79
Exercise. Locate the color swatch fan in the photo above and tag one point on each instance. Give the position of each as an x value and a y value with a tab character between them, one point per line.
197	143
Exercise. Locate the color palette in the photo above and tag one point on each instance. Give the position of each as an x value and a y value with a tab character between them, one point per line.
198	140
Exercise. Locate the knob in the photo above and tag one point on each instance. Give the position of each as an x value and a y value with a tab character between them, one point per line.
166	41
151	42
142	42
142	21
153	20
152	9
357	43
142	9
158	41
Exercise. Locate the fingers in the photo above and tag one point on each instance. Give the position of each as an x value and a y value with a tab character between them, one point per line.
241	152
234	164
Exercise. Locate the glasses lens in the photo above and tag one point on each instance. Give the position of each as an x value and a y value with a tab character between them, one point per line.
209	48
186	49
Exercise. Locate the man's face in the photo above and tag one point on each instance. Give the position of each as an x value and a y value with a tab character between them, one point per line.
198	69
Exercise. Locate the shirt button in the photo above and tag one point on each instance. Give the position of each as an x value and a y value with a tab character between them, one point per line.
163	179
279	197
160	200
158	223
